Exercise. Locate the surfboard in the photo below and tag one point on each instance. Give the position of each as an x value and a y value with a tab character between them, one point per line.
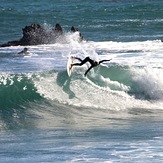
69	68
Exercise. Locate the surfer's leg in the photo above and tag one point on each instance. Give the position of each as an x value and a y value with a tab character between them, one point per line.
78	59
75	64
87	59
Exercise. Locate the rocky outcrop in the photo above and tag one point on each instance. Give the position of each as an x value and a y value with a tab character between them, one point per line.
35	34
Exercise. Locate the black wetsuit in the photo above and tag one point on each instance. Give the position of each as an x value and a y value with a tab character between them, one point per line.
87	59
24	51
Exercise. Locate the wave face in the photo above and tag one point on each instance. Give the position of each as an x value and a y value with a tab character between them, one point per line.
15	90
105	87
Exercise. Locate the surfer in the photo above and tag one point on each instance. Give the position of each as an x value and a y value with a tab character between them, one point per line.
87	59
24	51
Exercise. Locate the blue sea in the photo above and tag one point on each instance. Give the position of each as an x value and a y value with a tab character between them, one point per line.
114	114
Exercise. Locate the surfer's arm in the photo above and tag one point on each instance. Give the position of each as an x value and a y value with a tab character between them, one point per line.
106	60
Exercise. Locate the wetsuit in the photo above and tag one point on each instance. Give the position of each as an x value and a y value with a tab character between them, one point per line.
87	59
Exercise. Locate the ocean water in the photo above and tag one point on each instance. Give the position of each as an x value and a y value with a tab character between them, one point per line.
115	114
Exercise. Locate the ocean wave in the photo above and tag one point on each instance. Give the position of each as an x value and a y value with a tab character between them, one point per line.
26	99
104	87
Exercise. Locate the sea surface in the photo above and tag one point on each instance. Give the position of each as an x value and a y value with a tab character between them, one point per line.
114	115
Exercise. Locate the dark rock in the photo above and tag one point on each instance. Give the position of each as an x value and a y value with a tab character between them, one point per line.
35	34
73	29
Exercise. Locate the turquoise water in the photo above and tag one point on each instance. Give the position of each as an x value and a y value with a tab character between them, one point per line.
115	114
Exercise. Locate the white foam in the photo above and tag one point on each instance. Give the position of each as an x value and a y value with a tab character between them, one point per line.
82	92
149	81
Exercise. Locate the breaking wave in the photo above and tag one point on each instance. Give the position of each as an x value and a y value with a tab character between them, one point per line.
105	87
